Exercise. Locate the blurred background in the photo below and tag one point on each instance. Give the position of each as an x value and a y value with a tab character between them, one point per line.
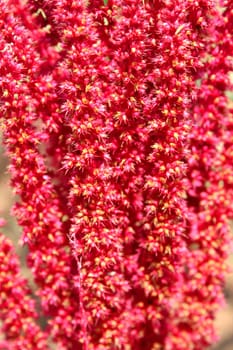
224	320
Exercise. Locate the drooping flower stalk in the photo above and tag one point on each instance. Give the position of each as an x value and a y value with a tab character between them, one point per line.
39	211
210	177
17	308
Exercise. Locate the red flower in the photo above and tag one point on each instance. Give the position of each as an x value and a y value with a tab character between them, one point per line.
119	135
17	307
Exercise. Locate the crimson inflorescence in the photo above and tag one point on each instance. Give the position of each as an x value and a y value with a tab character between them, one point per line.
119	131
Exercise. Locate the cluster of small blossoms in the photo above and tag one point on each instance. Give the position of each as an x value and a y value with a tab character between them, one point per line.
17	308
209	194
121	164
27	97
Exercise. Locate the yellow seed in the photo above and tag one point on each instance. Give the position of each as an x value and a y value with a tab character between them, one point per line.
51	237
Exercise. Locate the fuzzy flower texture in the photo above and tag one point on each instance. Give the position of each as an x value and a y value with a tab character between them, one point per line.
119	131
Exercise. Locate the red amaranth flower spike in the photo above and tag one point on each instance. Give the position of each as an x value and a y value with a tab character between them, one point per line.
39	211
17	308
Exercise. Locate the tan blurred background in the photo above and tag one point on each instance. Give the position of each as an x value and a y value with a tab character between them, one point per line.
224	321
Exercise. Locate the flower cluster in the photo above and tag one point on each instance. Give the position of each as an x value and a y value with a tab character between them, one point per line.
119	134
17	307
